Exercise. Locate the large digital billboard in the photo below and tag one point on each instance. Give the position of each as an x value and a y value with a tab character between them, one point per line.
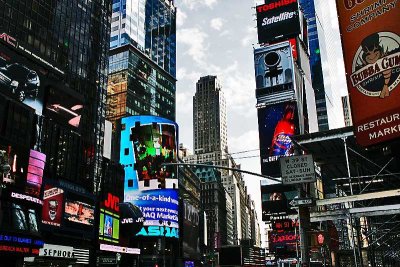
275	199
276	125
34	175
147	142
23	76
79	212
274	71
371	47
278	19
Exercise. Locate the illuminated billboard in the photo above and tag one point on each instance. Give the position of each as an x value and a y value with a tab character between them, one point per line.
109	220
34	175
276	124
371	48
13	164
79	212
278	19
53	202
64	106
274	72
275	199
23	76
146	143
284	241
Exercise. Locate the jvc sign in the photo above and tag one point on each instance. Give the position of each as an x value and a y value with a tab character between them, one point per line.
297	169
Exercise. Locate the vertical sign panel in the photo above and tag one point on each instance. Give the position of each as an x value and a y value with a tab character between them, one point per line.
371	47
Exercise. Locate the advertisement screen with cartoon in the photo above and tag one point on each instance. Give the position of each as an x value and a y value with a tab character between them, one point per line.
276	125
147	142
371	49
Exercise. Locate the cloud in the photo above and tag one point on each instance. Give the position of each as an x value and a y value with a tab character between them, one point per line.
180	17
249	38
194	38
216	23
194	4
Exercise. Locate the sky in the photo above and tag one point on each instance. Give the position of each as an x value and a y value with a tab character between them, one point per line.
215	37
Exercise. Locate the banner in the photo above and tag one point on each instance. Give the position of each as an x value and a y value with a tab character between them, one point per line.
371	48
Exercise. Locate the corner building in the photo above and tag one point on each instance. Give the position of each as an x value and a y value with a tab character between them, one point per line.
142	66
51	120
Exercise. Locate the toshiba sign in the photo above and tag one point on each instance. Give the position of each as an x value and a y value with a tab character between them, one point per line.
278	19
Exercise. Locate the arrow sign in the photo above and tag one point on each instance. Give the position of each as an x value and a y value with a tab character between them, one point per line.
302	202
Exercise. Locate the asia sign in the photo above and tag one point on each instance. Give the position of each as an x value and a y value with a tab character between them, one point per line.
297	169
146	143
371	48
277	19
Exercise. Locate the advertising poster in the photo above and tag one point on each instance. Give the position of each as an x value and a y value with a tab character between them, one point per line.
109	219
146	143
275	199
64	106
371	47
191	241
274	70
53	202
34	176
79	212
278	19
276	125
21	78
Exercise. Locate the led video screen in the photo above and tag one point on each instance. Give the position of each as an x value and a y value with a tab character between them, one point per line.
64	106
21	78
109	226
34	176
275	199
276	124
146	143
13	164
79	212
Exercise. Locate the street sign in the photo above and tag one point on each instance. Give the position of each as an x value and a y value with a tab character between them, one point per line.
302	202
297	169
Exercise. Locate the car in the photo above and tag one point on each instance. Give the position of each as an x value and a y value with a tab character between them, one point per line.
21	81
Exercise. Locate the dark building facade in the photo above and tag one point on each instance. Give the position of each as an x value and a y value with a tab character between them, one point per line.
213	202
53	60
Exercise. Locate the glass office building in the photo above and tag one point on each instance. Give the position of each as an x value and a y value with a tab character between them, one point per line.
149	25
315	64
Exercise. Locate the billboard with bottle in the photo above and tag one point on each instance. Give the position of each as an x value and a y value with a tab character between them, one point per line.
277	123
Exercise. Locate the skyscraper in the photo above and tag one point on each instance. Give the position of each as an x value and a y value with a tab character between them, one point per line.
210	145
142	64
315	64
209	116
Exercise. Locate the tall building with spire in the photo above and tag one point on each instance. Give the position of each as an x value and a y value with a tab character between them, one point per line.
209	116
211	145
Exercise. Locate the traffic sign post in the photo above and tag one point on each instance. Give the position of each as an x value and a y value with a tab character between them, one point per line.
297	169
304	202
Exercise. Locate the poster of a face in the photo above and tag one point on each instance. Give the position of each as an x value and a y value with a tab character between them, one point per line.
275	200
52	205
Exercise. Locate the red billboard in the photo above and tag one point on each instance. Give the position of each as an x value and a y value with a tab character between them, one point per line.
52	205
371	47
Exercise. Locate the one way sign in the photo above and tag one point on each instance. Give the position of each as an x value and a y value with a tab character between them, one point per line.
302	202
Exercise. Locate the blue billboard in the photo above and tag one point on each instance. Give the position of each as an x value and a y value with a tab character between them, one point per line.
147	142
